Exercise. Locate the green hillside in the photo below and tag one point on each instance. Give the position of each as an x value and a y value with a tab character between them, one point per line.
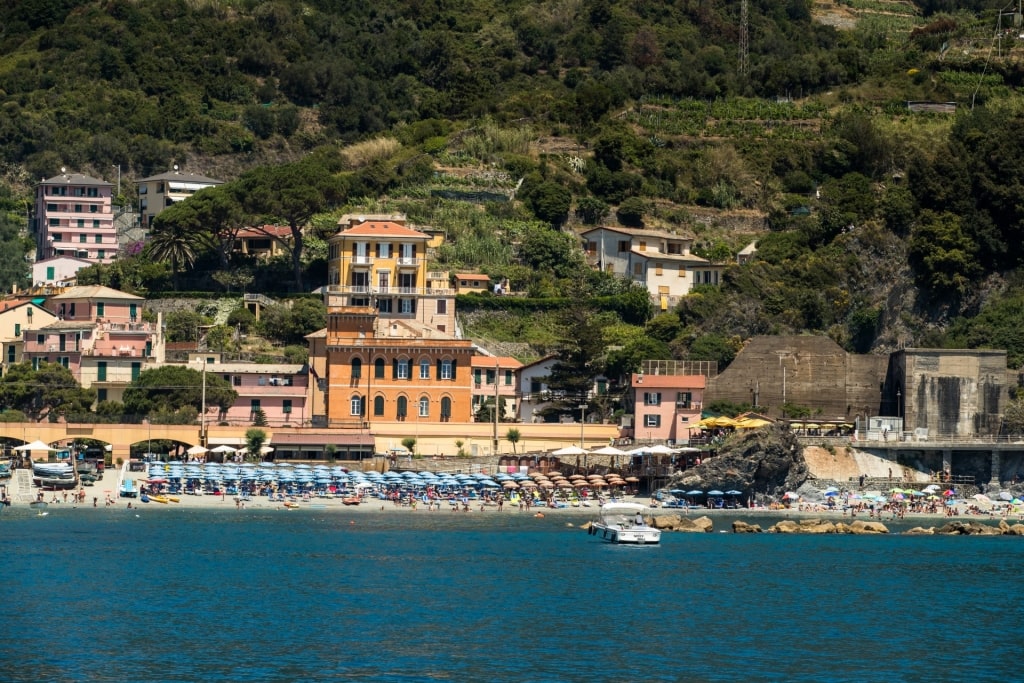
876	224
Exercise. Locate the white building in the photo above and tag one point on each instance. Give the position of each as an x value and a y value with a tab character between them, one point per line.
659	260
57	270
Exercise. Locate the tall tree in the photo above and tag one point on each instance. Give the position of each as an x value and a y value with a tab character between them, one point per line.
291	193
49	392
170	388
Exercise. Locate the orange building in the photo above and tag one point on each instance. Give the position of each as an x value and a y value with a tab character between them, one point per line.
390	370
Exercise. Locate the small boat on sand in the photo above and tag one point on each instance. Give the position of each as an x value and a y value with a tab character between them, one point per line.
159	499
624	524
352	500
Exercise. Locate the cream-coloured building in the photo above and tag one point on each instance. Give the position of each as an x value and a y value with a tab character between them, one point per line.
659	260
157	192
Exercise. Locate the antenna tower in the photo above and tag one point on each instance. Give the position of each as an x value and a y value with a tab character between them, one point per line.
744	65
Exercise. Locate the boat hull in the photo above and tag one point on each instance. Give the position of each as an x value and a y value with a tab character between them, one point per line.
637	535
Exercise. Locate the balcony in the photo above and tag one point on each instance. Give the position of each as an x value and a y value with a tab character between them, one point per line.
409	262
362	261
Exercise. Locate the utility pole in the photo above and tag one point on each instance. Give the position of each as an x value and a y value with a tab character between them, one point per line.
202	417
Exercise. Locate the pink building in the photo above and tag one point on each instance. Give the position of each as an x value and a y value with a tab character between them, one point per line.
666	407
74	217
496	375
99	335
279	390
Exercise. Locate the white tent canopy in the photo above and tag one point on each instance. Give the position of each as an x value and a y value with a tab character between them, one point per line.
196	450
609	450
569	450
223	449
35	446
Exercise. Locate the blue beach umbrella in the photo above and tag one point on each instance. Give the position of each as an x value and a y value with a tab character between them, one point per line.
695	492
715	493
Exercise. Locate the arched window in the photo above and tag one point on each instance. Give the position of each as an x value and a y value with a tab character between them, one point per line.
357	368
378	406
378	368
357	405
403	408
446	409
425	406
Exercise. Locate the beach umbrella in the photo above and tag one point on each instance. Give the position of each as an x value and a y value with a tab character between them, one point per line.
715	493
196	450
734	492
829	494
1005	495
223	449
695	492
832	489
790	495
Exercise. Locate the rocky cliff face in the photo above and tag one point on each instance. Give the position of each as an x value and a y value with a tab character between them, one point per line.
753	461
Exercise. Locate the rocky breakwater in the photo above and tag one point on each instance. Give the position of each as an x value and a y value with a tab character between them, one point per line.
680	523
812	526
970	528
763	460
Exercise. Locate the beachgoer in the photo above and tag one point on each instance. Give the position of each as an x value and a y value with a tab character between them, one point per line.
639	521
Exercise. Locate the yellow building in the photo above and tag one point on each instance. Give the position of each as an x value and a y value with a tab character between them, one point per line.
381	263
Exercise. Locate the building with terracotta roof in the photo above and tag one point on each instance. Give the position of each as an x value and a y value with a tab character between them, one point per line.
263	241
661	261
100	336
381	263
467	283
73	216
157	192
16	317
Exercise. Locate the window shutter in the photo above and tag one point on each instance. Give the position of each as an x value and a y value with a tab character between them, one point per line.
439	369
453	368
394	369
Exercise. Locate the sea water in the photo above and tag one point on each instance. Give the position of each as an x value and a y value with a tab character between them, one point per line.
307	595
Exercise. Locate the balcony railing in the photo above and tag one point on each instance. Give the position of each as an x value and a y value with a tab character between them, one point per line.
410	291
362	260
408	262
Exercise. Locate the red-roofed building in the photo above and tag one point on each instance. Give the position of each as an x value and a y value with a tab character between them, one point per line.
264	241
379	262
666	407
466	283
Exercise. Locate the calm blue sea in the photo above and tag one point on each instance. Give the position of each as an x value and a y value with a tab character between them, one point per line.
268	595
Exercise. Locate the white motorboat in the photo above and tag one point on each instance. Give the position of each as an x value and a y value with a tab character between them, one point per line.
624	523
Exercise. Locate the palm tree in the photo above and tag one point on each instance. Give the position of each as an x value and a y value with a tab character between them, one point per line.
512	436
175	238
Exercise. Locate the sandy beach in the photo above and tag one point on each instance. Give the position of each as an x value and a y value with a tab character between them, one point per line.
104	495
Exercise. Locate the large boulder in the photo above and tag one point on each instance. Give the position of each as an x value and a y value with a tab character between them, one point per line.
965	528
741	527
785	526
921	531
699	525
862	528
1011	530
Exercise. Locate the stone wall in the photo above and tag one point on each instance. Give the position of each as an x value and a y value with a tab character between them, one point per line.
809	371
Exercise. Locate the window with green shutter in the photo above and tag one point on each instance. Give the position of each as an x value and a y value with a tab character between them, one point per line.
136	370
101	371
49	272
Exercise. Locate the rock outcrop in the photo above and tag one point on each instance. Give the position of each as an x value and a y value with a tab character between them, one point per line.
817	526
678	523
741	527
767	459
